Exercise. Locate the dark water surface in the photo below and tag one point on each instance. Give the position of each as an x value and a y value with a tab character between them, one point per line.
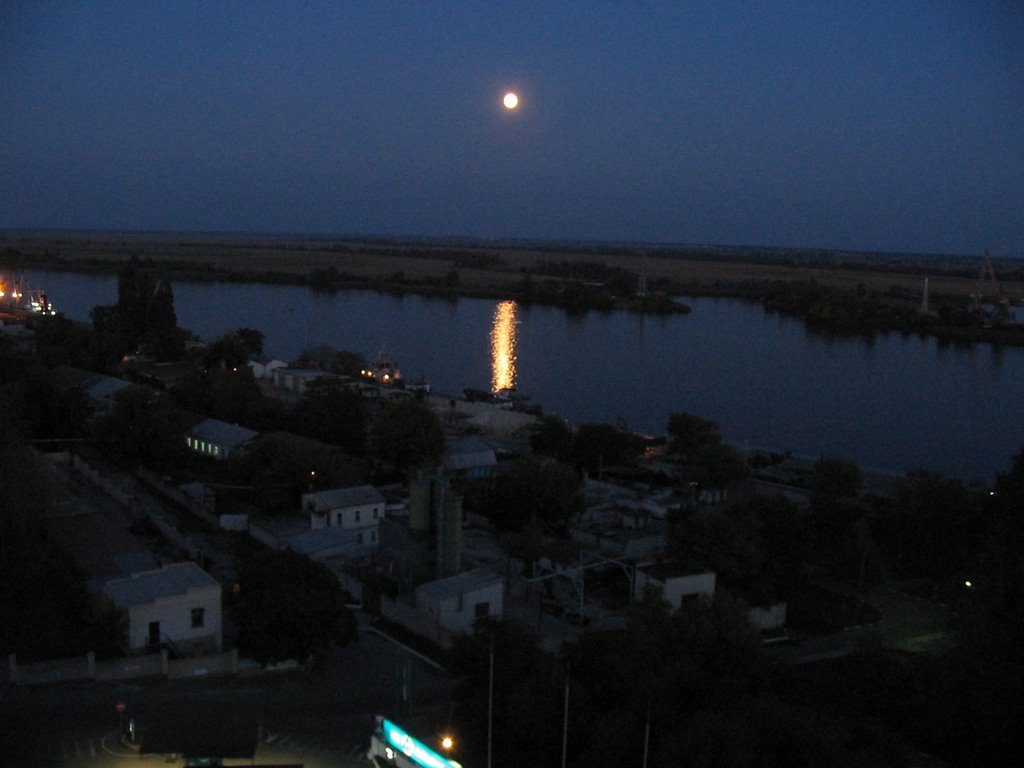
895	403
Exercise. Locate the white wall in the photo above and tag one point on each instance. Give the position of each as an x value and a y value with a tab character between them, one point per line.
457	613
175	616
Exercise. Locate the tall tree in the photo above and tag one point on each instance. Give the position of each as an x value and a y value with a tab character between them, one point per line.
407	434
688	433
290	607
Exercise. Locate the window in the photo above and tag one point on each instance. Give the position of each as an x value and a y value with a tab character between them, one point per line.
376	512
357	515
359	537
198	617
480	610
373	537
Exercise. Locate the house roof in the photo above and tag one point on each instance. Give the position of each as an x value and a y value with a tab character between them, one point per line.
468	452
312	541
150	586
100	387
460	583
340	498
222	433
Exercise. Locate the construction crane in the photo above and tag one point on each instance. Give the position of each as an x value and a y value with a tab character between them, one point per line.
990	289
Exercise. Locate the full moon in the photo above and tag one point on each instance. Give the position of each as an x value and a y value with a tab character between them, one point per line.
511	101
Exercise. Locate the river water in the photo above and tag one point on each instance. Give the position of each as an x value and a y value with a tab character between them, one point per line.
893	404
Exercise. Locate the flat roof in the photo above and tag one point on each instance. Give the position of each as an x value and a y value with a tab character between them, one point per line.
353	496
467	581
149	586
222	433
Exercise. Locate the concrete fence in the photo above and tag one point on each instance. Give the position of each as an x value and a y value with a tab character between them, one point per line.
127	668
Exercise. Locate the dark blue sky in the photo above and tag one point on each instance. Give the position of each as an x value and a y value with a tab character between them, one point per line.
864	125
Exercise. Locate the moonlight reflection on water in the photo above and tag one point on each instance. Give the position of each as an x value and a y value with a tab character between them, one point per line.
503	347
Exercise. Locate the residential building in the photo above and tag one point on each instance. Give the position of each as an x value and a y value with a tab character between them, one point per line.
176	605
676	585
217	439
456	602
356	507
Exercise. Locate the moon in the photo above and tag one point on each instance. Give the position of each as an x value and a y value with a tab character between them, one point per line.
511	101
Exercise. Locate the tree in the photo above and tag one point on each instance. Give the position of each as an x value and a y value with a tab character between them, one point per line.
833	479
144	427
596	446
551	436
251	339
327	358
687	433
290	607
407	434
334	413
143	317
534	491
718	466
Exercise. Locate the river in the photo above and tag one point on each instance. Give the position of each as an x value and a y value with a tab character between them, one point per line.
894	403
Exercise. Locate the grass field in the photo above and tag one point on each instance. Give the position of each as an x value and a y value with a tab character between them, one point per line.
480	264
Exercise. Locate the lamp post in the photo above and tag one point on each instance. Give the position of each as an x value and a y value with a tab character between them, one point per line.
490	703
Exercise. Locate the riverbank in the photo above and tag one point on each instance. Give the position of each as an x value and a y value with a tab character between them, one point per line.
837	293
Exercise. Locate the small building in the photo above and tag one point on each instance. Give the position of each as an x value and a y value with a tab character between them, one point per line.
676	584
176	605
359	506
263	367
324	543
217	439
456	602
298	379
469	457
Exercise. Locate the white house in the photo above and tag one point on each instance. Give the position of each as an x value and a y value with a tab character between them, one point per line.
264	367
456	602
357	507
217	439
676	585
298	379
178	605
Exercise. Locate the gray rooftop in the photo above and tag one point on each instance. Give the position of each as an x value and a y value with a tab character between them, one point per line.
313	541
467	581
468	452
100	386
150	586
222	433
342	498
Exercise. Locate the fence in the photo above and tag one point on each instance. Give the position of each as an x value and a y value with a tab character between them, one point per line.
127	668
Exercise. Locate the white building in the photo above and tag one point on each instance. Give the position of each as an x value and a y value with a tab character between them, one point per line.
357	507
264	367
456	602
178	605
677	586
217	439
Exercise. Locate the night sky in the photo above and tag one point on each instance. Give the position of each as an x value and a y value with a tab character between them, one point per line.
852	125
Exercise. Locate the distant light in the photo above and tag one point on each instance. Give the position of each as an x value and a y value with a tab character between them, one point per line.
511	101
447	742
968	584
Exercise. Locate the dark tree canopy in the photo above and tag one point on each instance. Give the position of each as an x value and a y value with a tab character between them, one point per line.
407	434
533	492
688	433
334	413
290	607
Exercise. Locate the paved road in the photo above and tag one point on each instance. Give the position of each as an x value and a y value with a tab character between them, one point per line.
317	718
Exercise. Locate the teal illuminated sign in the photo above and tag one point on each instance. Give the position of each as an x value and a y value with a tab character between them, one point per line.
415	750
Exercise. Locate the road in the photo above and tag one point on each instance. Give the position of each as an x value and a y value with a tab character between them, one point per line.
317	718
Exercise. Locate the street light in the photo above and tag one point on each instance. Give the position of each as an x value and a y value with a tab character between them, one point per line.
447	742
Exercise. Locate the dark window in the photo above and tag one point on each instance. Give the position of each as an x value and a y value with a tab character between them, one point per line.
198	617
482	609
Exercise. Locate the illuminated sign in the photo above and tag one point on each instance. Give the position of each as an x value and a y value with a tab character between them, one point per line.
415	750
